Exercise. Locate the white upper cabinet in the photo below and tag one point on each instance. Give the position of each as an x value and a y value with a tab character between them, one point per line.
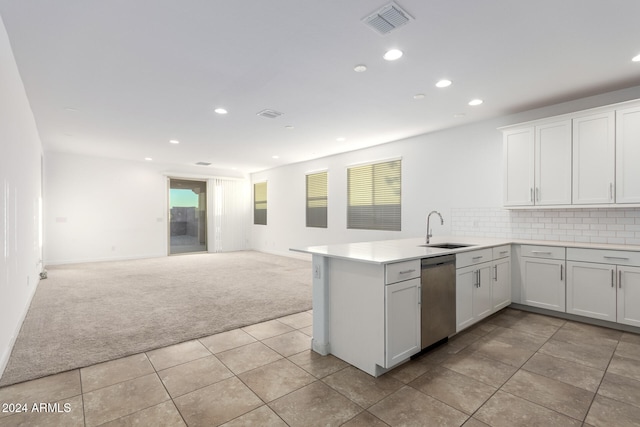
594	159
628	155
584	159
553	164
518	152
538	164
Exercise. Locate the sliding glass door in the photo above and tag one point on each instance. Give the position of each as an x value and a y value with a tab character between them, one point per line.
188	216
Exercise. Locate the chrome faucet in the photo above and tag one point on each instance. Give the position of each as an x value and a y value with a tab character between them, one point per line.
429	234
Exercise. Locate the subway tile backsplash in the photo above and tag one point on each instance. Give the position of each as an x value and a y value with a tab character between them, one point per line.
615	226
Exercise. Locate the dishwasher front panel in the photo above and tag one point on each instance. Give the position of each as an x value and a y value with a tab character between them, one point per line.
438	283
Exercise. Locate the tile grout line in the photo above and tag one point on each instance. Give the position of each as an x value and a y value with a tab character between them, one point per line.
512	375
595	394
84	412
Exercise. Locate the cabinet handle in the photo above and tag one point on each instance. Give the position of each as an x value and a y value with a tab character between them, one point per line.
611	191
504	252
620	279
612	278
561	268
408	271
477	257
479	279
532	194
617	257
541	253
495	273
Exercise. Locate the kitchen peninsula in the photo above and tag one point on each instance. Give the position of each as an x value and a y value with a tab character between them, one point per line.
366	298
366	295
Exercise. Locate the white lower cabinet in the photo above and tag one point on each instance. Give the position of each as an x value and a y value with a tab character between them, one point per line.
629	296
473	294
483	284
543	277
604	291
591	290
501	292
402	326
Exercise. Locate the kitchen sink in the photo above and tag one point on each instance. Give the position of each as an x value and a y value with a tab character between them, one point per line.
446	245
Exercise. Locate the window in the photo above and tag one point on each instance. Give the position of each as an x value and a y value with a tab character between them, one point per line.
317	200
260	203
374	196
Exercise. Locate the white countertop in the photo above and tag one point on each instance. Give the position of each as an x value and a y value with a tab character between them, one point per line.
387	251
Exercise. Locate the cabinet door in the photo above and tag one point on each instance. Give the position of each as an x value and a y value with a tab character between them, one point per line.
553	164
473	294
466	279
594	158
543	283
591	290
501	293
518	158
629	295
482	302
402	335
628	155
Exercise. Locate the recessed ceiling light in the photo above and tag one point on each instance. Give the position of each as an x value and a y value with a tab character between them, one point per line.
174	141
275	157
360	68
220	111
443	83
148	159
393	54
341	139
636	58
288	127
419	96
475	102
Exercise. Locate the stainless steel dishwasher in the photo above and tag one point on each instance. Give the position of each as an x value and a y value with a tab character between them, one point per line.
438	299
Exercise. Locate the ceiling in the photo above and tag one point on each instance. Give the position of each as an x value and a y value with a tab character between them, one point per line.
121	78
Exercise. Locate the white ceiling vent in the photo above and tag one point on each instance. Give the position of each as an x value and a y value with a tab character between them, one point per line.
270	114
387	19
203	164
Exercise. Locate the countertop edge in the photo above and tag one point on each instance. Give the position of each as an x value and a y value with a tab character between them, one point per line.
409	249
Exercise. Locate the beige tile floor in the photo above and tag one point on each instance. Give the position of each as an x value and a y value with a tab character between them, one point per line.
515	368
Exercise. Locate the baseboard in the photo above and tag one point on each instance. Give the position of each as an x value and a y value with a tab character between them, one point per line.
84	260
6	354
290	254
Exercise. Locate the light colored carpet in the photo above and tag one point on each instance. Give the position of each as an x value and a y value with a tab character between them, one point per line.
93	312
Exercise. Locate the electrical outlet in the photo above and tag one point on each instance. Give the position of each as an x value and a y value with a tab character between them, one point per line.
316	271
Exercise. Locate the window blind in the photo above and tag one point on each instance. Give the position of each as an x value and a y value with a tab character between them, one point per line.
374	196
260	203
317	200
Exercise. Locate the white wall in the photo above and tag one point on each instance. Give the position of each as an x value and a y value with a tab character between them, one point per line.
20	191
99	209
446	170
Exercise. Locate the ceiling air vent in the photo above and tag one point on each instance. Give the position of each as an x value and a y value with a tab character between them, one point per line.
270	114
203	164
387	19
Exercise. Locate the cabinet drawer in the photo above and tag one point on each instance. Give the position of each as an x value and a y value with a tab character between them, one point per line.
549	252
399	271
604	256
501	251
473	257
